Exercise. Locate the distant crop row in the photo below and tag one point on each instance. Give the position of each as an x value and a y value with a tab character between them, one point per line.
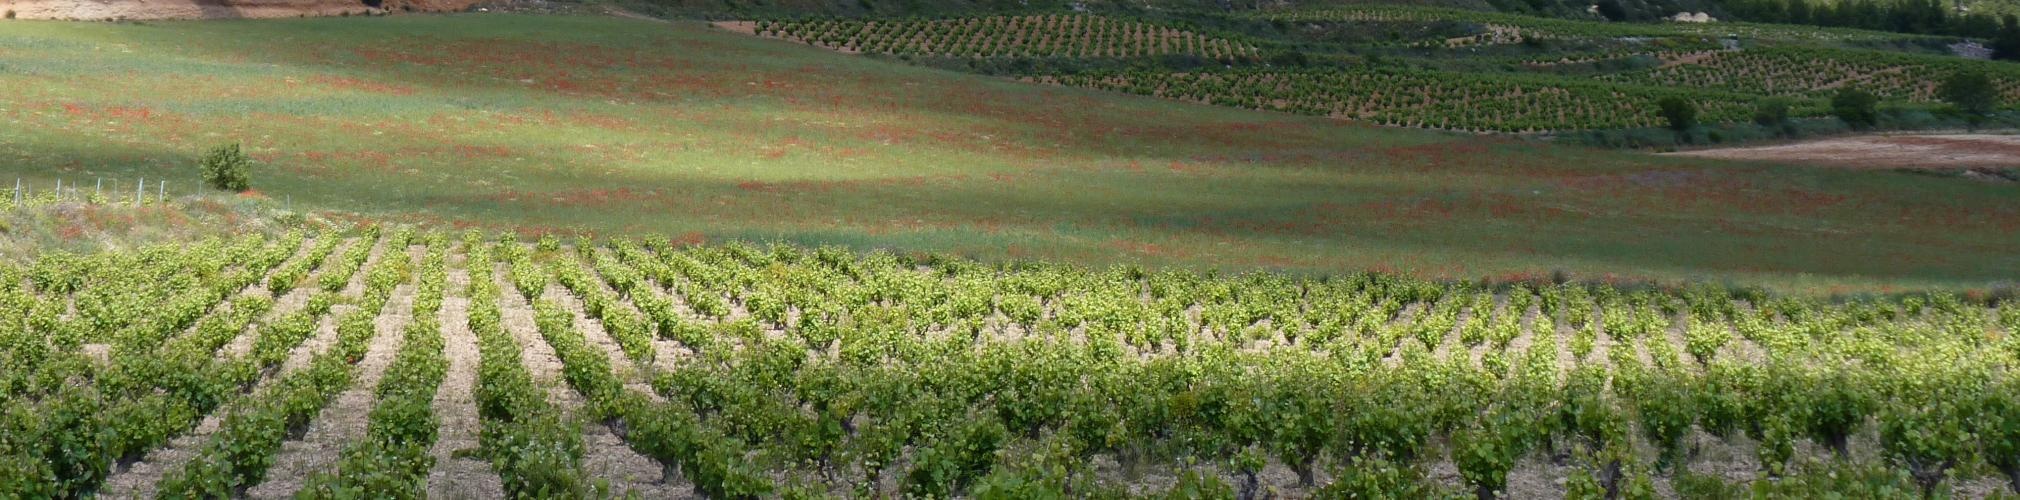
1037	36
1430	99
1550	28
1788	71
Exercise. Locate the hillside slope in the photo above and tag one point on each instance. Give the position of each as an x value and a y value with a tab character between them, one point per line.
618	126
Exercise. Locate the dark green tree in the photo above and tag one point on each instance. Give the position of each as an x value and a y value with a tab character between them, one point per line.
2006	46
1773	113
1681	113
1858	108
1970	91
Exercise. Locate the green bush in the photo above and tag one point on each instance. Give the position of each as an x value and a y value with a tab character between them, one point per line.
1971	92
1773	113
1680	112
1858	108
227	168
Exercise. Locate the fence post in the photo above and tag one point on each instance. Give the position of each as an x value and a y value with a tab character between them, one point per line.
17	192
162	189
98	190
59	190
140	192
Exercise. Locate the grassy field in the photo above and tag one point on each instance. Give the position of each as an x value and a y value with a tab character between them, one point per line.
617	126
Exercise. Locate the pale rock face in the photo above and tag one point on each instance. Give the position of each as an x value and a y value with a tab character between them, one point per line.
104	10
1692	17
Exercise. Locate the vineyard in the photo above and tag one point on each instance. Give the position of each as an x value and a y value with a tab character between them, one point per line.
1526	27
1725	84
1430	99
1794	71
1038	36
395	363
1455	69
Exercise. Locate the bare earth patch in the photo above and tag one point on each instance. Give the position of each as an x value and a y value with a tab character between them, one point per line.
1947	151
455	475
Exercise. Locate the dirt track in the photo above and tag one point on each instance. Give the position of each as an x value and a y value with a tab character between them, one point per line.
1947	151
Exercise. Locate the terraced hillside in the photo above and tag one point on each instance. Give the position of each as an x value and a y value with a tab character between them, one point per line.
383	363
1427	99
1431	67
1003	36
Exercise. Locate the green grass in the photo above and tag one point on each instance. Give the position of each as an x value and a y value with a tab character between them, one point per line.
615	126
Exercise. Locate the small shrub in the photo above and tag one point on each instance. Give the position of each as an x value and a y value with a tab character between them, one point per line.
10	13
227	167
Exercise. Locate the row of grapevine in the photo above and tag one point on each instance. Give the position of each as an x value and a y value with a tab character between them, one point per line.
392	460
238	454
1038	36
1554	28
753	386
156	381
1419	98
824	372
716	465
535	449
1814	71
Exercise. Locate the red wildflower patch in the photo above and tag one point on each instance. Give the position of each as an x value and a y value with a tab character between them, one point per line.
362	85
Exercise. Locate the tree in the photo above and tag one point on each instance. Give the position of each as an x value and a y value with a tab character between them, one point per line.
227	168
1612	10
1681	113
1772	113
1858	108
1970	91
2006	46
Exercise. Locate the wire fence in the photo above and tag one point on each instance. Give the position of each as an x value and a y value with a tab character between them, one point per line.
101	191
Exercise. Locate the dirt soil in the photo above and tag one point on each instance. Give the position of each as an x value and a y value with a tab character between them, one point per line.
1947	151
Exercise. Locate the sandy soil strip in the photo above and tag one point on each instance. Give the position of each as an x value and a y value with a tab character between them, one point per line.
456	404
344	419
606	456
1526	335
1602	344
1945	151
139	479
